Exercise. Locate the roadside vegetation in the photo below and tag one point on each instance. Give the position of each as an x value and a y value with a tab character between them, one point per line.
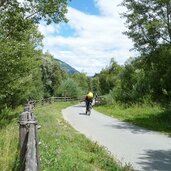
151	117
62	148
9	140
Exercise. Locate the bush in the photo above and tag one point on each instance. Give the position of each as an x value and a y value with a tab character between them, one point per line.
69	88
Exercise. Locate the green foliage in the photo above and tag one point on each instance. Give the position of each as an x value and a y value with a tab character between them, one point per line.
147	77
20	54
142	79
76	85
108	77
52	75
90	84
19	67
96	85
49	11
83	82
69	88
134	84
9	141
148	23
149	27
158	71
153	117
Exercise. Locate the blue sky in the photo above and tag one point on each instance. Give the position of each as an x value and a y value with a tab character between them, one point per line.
86	6
91	38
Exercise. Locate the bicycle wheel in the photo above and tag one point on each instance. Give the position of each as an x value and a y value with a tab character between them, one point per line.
89	112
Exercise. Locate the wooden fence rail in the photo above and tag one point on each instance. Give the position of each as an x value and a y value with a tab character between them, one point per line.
49	100
29	159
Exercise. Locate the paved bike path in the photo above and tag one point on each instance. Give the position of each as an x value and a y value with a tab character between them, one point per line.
145	150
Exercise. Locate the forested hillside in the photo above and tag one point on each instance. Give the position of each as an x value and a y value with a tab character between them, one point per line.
69	69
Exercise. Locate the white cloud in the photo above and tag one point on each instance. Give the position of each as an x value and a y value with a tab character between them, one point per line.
96	40
46	30
110	7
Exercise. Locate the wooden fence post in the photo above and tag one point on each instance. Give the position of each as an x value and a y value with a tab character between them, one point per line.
23	138
31	154
29	159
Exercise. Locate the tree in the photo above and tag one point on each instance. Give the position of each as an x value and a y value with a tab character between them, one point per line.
52	75
96	85
82	81
149	23
50	11
108	77
20	42
158	71
19	65
19	71
134	81
69	88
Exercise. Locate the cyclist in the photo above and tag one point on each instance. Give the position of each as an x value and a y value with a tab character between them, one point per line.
88	100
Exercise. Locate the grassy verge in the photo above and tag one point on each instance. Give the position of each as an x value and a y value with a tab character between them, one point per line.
62	148
154	118
9	140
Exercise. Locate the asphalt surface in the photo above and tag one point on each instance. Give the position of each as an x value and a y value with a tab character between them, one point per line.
145	150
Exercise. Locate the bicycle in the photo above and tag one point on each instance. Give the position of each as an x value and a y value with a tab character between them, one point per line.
88	108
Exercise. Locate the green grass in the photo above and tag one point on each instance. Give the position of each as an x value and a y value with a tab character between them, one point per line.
9	140
62	148
150	117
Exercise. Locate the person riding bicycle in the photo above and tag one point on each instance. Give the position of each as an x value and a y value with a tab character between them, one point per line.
88	100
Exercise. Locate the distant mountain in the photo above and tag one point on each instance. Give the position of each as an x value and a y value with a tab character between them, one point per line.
69	69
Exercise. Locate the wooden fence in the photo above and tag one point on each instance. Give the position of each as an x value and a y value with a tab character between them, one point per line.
98	99
57	99
29	159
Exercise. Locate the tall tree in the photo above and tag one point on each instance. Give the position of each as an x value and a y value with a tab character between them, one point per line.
69	88
20	57
52	75
108	77
148	22
82	81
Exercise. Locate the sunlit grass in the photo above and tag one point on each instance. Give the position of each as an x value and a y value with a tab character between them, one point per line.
9	141
62	148
151	117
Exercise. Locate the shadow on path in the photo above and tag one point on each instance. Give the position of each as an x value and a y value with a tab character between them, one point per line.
126	126
79	106
83	114
158	160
